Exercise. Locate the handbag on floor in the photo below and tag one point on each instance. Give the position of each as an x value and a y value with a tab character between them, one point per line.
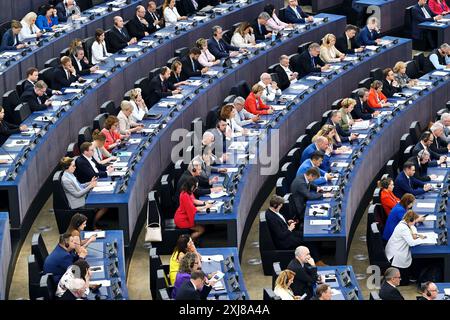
153	231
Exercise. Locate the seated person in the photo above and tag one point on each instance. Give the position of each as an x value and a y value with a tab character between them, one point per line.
29	28
185	214
177	77
77	224
99	52
189	7
86	168
295	14
347	44
305	270
170	12
303	189
78	271
126	124
389	286
362	109
112	134
259	27
153	17
254	103
7	129
81	63
376	98
48	21
328	52
438	59
329	131
228	113
242	116
76	290
140	109
387	197
370	34
406	183
204	187
219	48
197	288
421	162
323	292
10	39
309	61
397	213
139	27
428	290
118	37
314	162
347	106
37	99
390	85
32	77
160	87
67	9
221	137
271	89
63	256
285	73
184	245
445	121
344	135
206	58
401	77
319	144
283	285
65	75
274	23
190	65
439	145
439	7
426	143
243	36
422	13
101	155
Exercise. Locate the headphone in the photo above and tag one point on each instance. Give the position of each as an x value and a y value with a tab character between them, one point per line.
424	288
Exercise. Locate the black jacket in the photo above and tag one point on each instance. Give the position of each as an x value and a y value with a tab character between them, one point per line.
138	29
28	86
35	102
187	68
301	193
84	67
281	236
60	79
116	40
259	34
186	7
388	292
203	185
175	79
151	20
84	171
305	277
283	78
389	90
341	44
187	291
7	129
344	134
362	110
159	89
304	65
421	169
439	146
434	156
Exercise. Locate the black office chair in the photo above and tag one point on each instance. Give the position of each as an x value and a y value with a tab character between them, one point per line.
419	58
376	74
34	278
313	128
294	155
181	52
336	105
268	294
282	186
99	121
85	4
282	14
376	212
72	150
152	73
168	203
4	27
155	264
64	53
375	247
211	117
293	61
38	249
126	95
408	153
21	112
373	295
109	107
53	62
46	75
269	253
87	46
10	102
407	22
392	168
178	170
415	131
439	113
303	142
144	85
303	47
405	141
241	89
365	83
289	171
229	99
47	287
326	116
162	280
163	294
235	26
376	196
412	70
226	36
19	86
84	135
274	77
271	69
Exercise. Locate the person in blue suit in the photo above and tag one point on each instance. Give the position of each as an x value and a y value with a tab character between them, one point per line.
219	48
10	40
315	162
48	21
370	34
422	13
295	14
320	144
406	183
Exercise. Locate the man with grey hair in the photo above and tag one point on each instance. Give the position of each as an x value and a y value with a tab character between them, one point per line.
285	74
118	36
439	145
219	48
305	273
138	27
67	9
421	163
362	109
259	27
438	59
242	116
271	89
445	121
153	17
309	61
36	98
389	289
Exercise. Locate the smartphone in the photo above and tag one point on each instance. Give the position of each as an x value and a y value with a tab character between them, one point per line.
218	276
426	215
303	296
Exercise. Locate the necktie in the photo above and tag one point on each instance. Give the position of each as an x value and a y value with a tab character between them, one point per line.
39	100
349	44
312	62
267	90
425	12
409	181
193	65
163	86
260	29
67	75
123	33
220	46
297	13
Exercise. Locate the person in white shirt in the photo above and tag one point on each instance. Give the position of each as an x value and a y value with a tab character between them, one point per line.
29	29
139	107
283	284
284	63
271	89
444	52
243	36
206	58
171	15
99	52
126	125
274	23
79	270
242	116
227	113
398	248
328	52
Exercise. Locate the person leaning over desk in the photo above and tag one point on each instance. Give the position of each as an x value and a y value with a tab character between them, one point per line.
7	129
112	134
283	285
397	213
188	264
86	168
101	155
126	124
10	40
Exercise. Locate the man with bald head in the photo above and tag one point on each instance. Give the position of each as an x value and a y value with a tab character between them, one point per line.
138	27
118	36
153	17
320	144
271	89
66	9
389	289
429	291
305	273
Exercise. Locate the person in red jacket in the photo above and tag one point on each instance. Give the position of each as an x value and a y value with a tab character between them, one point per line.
439	7
185	214
376	98
387	197
254	103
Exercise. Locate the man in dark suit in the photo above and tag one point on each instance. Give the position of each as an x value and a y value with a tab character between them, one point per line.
81	64
160	87
10	40
139	27
32	77
406	183
389	289
302	190
285	73
335	120
295	14
219	48
259	27
425	143
64	75
195	288
188	7
439	145
390	85
66	9
153	17
309	61
87	167
283	232
362	109
421	163
347	44
118	37
190	65
370	34
422	13
305	273
36	98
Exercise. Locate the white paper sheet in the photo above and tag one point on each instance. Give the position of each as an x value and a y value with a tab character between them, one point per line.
100	234
426	205
320	222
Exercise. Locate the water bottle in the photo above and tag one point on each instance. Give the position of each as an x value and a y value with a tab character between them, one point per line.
274	36
379	120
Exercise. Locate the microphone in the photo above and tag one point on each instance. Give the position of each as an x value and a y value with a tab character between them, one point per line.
106	254
8	154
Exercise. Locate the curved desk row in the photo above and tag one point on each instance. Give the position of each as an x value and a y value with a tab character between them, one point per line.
21	180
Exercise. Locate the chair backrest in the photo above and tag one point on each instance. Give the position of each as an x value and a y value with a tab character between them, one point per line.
34	278
268	294
19	87
376	196
38	249
274	76
126	95
276	270
415	131
21	112
376	212
293	61
154	208
265	237
154	264
144	85
87	46
336	104
303	141
407	21
243	88
289	170
64	53
212	117
59	196
109	107
161	279
376	74
4	27
167	192
439	113
171	61
10	101
325	116
53	62
72	150
365	83
271	69
46	75
313	128
163	294
99	121
303	47
226	36
377	255
392	168
85	134
282	186
181	52
152	73
405	141
412	69
47	287
282	14
419	58
408	153
294	156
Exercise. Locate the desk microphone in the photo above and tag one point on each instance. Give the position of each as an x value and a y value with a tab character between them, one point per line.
106	254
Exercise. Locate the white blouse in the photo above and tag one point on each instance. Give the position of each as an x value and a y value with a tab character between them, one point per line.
138	113
329	54
98	52
242	42
171	15
284	294
206	58
28	32
399	245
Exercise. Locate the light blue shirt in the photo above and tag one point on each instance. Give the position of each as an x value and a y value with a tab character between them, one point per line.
308	164
435	61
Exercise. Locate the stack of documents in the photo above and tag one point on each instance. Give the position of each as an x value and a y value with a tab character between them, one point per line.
372	48
431	238
8	157
440	73
361	125
219	194
320	222
105	186
45	119
17	143
78	84
299	87
426	205
100	234
314	78
135	141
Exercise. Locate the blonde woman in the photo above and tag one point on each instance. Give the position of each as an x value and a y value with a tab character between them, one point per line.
29	28
139	107
283	284
328	51
329	131
243	36
206	58
126	125
347	106
401	77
